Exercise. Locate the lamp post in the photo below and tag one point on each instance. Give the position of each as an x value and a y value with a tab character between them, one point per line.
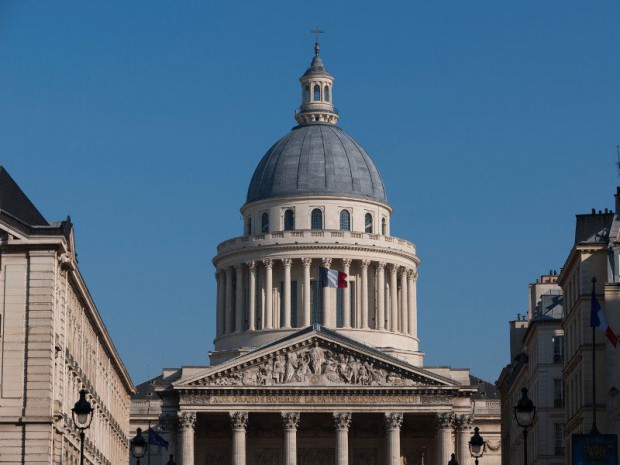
476	445
453	460
138	446
171	461
82	413
525	412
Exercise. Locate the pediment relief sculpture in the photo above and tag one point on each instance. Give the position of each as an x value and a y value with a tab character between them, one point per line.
313	364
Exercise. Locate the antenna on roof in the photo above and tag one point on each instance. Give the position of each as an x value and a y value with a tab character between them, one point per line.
618	162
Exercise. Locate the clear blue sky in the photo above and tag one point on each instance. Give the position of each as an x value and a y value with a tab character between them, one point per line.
492	123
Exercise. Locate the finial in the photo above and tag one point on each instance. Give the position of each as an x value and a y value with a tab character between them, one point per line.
317	31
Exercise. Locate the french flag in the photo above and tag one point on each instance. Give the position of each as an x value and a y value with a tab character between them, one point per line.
597	320
332	278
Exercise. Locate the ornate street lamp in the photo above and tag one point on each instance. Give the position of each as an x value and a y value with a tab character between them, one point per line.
525	413
138	446
171	461
453	460
476	445
82	413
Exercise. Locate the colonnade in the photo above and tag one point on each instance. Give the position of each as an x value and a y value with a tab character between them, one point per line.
446	423
387	302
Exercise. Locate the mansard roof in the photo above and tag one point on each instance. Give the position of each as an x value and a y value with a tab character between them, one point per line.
14	202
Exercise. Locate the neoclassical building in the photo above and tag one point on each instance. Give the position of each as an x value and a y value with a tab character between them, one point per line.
311	375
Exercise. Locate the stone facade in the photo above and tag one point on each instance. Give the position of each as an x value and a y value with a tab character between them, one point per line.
52	344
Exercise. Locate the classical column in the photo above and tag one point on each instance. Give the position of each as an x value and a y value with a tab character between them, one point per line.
268	293
404	313
326	262
239	422
342	422
365	264
412	278
286	262
393	299
252	296
306	262
380	295
393	423
228	308
239	326
187	422
219	276
346	295
291	422
463	423
444	436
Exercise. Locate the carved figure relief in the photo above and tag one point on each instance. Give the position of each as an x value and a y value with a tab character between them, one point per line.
311	365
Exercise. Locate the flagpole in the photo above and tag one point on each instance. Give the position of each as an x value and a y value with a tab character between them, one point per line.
594	429
148	458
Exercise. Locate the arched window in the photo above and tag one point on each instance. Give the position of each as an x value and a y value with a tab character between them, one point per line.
345	220
368	223
248	226
289	220
383	227
264	223
307	94
316	220
317	93
326	93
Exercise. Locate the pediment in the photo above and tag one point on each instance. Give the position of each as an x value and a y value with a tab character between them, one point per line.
320	358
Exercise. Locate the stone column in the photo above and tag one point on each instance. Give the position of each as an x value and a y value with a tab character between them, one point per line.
326	262
239	423
393	299
252	296
342	422
393	423
228	308
187	422
380	295
412	304
463	423
444	436
364	315
346	295
291	422
404	328
219	276
286	262
268	293
306	319
239	326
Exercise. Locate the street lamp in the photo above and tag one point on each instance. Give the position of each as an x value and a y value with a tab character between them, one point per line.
82	413
525	413
453	460
476	445
138	446
171	461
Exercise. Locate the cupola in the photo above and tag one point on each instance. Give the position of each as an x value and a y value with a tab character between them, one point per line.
316	93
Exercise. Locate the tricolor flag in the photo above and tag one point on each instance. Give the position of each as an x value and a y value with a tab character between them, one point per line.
332	278
597	320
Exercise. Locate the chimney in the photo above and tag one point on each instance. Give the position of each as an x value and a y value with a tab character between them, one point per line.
617	196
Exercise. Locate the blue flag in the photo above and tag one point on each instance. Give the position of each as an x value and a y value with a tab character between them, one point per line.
156	440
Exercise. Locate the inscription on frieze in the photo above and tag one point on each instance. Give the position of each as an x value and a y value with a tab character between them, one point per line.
311	399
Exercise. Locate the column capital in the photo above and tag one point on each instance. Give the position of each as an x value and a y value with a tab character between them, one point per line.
327	262
239	420
365	263
413	275
268	262
251	265
187	420
403	271
393	420
287	262
444	420
346	262
381	266
306	262
392	268
290	420
238	266
463	422
342	420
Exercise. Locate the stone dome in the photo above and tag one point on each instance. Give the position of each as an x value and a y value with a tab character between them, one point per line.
316	159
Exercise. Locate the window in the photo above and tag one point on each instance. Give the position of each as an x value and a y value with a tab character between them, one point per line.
345	220
316	220
326	93
558	349
248	226
289	220
264	223
558	438
368	223
317	93
307	94
558	393
383	227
